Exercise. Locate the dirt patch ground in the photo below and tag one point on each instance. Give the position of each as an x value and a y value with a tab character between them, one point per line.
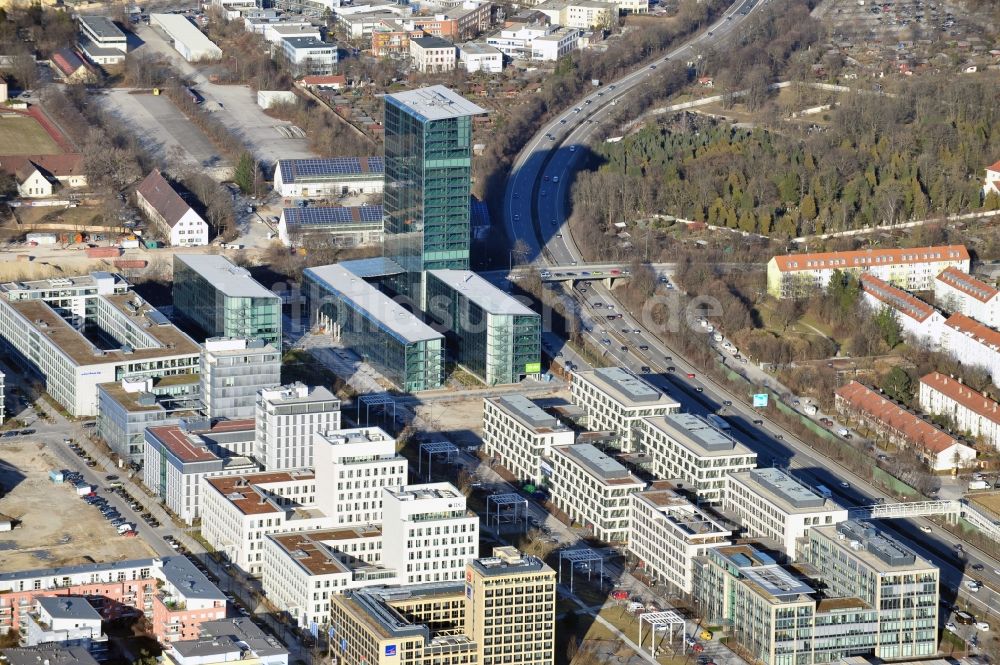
57	527
22	135
988	500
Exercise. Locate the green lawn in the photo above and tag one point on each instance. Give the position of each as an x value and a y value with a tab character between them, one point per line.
21	135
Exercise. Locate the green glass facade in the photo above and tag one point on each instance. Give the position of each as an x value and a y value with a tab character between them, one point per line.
412	365
498	348
428	171
220	315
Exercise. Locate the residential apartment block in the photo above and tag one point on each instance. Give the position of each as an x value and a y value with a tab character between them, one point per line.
304	570
170	592
585	14
177	457
428	535
911	269
856	559
238	512
956	291
667	531
939	450
504	610
687	447
308	55
916	318
226	641
520	435
42	326
233	371
480	57
593	490
432	55
287	418
973	343
126	408
972	412
492	334
616	400
353	467
223	300
772	505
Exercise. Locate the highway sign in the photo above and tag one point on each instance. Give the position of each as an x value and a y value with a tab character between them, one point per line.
760	400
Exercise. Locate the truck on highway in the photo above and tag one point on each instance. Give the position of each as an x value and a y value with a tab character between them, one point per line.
824	491
978	485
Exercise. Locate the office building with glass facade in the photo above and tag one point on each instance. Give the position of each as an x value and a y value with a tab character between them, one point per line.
223	300
492	334
233	371
428	172
855	558
773	612
398	344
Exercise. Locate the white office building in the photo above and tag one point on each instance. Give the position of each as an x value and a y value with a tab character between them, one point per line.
593	490
233	371
480	57
178	457
971	412
329	177
773	505
616	400
428	535
687	447
42	324
238	512
666	532
309	56
303	570
101	40
545	43
956	291
353	466
916	318
520	435
287	418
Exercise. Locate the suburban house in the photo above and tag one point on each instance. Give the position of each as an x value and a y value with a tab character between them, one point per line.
331	82
872	410
39	176
70	67
166	209
992	183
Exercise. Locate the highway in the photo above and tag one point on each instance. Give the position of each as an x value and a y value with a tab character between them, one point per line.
535	212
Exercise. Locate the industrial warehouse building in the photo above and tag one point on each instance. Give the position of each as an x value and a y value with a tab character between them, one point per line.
332	177
185	37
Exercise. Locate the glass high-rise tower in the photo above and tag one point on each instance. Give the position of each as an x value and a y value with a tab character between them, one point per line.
428	170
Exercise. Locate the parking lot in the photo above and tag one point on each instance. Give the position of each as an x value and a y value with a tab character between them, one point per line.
61	529
162	129
893	17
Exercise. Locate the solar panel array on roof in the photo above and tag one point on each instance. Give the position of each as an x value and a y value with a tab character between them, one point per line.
332	215
306	169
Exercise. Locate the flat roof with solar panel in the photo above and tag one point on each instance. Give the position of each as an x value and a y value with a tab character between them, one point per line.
331	168
784	491
626	388
435	102
698	435
331	217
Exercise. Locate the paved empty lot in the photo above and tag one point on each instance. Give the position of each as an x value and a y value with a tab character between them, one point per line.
239	110
163	129
57	528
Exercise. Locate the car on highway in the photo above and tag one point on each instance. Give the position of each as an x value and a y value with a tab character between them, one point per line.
699	389
645	369
950	627
925	528
671	368
572	148
690	375
844	484
623	347
978	566
727	402
644	347
555	178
